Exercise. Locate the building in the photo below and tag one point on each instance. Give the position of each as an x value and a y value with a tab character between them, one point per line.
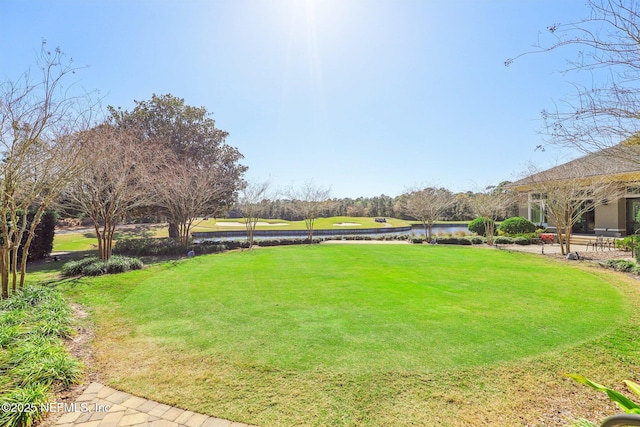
612	215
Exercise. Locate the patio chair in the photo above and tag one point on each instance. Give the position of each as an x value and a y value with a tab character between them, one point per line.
597	243
621	420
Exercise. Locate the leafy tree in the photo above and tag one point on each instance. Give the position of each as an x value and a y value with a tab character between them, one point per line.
191	135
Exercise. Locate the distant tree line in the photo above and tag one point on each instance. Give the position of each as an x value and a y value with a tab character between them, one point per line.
382	206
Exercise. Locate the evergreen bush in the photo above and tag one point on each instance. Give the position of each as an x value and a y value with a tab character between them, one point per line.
93	266
477	226
503	240
517	225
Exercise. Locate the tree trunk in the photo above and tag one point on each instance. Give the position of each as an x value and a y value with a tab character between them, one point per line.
488	231
250	225
561	239
3	271
173	230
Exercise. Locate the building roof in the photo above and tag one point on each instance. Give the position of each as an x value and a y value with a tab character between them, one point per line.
620	159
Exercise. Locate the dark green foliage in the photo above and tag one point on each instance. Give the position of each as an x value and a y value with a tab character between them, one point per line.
172	247
283	242
503	240
42	242
477	240
517	225
75	268
621	265
417	241
93	266
33	359
166	246
453	241
477	226
520	240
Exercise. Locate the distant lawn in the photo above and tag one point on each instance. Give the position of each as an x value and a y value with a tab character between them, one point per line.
320	223
77	241
360	334
71	242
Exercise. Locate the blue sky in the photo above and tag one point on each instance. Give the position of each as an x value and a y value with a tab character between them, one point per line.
364	96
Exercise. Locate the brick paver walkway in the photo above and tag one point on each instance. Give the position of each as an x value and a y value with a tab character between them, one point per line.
102	406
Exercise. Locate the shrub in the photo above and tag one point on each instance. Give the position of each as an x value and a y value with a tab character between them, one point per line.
477	240
167	246
42	243
520	240
418	240
75	268
547	238
453	241
503	240
625	244
93	266
517	225
621	265
34	360
477	226
281	242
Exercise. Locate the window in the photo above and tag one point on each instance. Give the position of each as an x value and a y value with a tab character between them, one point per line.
536	209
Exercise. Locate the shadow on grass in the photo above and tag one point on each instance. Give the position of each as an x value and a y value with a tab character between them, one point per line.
131	232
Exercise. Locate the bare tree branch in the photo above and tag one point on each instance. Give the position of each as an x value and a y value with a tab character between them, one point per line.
308	201
253	203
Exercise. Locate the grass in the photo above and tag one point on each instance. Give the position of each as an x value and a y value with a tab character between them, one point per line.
320	223
33	360
79	241
74	242
364	335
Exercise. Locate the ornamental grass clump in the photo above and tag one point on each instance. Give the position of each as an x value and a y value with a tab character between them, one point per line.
621	265
93	266
33	360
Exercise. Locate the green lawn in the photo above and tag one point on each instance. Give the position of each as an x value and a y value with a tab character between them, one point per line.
71	242
78	241
320	223
357	334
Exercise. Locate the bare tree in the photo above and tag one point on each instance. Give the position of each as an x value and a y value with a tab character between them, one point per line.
427	205
253	203
567	193
606	109
185	191
490	204
308	201
116	184
41	152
